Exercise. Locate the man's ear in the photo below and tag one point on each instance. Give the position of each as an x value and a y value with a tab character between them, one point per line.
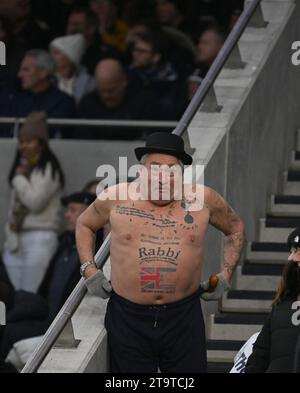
43	74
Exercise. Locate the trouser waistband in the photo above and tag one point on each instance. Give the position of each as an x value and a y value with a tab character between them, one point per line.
190	298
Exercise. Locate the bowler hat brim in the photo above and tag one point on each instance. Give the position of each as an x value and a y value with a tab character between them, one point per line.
185	158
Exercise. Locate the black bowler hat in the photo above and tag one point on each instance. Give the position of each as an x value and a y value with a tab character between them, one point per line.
166	143
294	239
86	198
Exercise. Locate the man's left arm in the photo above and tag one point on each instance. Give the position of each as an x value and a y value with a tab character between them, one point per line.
224	218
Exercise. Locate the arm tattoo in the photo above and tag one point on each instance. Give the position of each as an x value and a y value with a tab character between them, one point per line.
232	251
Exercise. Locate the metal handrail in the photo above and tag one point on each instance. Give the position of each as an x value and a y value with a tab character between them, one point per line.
77	295
96	123
64	315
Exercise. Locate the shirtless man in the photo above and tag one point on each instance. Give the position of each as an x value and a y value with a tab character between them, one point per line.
154	318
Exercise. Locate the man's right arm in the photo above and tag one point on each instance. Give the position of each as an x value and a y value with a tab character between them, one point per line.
90	221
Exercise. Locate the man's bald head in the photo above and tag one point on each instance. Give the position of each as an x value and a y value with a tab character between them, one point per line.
111	82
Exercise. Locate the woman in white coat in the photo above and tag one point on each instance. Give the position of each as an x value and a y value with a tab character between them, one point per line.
36	179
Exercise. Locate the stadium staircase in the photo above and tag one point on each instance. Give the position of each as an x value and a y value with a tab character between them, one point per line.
244	308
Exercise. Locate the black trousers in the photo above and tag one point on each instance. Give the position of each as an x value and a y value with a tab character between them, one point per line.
145	338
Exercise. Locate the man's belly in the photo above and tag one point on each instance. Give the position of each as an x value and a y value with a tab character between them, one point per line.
156	275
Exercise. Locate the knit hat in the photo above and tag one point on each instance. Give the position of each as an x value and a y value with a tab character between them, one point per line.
35	126
72	46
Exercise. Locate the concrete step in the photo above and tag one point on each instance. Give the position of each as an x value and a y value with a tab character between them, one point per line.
247	301
295	160
291	183
261	270
219	356
277	229
265	282
234	326
284	206
222	351
266	252
219	367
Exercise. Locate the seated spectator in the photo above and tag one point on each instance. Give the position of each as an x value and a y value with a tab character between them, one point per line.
112	29
151	66
115	98
32	314
209	45
36	179
171	13
73	79
181	49
37	92
85	22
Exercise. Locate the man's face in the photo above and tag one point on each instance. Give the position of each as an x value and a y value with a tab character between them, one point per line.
30	75
103	8
76	23
164	178
74	210
209	46
111	91
295	255
142	54
166	11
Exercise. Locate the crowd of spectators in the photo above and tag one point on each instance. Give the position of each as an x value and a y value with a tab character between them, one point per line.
108	59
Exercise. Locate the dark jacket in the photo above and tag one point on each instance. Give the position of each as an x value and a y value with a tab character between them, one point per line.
164	84
66	241
136	105
19	103
274	349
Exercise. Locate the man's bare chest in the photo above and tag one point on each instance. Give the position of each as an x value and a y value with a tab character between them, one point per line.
159	227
